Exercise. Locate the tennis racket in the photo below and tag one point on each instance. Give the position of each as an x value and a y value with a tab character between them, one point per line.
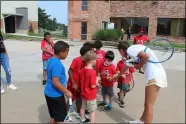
162	48
75	118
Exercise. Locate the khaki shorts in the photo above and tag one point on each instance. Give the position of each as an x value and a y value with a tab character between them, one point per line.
160	82
89	105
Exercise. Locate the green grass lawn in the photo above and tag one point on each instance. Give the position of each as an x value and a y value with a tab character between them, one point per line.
54	34
176	45
24	38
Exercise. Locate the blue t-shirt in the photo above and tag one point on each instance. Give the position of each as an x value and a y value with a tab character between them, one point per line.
55	69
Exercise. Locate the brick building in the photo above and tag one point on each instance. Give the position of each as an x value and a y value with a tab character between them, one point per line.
18	16
159	18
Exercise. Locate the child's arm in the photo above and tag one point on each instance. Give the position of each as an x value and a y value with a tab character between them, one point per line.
98	78
60	87
93	80
72	79
44	49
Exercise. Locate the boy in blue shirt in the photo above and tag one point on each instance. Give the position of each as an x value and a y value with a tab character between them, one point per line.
56	84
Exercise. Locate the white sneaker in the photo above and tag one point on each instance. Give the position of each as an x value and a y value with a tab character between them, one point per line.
11	86
69	119
2	90
136	122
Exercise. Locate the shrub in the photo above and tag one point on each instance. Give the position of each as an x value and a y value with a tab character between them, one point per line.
108	34
31	30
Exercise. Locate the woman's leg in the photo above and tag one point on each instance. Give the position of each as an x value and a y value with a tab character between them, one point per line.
151	93
6	66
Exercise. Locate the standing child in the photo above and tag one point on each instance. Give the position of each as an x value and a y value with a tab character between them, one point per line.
75	67
56	82
124	80
87	86
47	52
141	38
100	54
107	72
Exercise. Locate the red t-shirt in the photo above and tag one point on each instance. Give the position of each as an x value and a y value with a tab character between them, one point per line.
100	57
128	73
48	47
87	77
141	39
76	65
105	72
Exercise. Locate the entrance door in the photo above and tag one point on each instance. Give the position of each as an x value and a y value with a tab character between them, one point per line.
10	24
76	31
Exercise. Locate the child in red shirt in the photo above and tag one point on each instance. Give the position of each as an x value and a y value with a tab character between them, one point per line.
75	67
106	73
123	81
47	52
141	39
87	86
100	54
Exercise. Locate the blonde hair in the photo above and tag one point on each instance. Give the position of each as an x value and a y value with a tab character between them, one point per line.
89	56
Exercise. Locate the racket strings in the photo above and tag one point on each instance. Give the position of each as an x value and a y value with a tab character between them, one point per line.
163	49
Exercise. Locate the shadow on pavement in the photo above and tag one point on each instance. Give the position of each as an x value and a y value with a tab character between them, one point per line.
118	116
43	114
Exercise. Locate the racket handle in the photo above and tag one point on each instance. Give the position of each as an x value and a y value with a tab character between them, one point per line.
70	101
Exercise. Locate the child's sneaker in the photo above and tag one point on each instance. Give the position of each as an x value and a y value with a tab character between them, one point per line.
44	82
11	86
102	104
2	90
86	121
121	104
107	108
69	119
136	122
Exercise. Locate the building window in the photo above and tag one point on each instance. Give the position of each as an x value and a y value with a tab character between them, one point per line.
137	23
83	30
171	27
134	22
104	25
84	5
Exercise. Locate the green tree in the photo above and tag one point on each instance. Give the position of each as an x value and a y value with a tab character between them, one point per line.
43	18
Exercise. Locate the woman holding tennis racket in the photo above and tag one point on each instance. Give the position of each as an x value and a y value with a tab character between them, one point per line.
154	72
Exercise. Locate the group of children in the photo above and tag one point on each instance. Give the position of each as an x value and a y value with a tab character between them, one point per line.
94	66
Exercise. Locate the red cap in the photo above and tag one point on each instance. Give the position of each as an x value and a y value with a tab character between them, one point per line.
141	29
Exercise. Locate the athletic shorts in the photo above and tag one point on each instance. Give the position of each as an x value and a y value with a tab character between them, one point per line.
124	87
89	105
45	63
107	91
57	108
160	82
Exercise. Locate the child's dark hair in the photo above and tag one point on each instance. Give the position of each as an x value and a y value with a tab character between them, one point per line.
46	33
123	45
109	55
98	44
89	44
84	50
60	46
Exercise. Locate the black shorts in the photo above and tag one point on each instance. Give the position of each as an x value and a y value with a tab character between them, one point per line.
57	108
